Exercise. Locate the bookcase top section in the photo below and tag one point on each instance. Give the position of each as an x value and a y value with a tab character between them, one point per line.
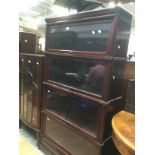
116	11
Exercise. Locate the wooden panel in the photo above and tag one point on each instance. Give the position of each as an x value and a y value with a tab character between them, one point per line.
130	96
25	104
129	72
30	89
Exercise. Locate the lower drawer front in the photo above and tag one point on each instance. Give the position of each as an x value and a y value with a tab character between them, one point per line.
68	139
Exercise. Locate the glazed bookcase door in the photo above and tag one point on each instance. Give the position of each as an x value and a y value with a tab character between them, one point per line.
84	116
92	37
79	112
66	139
86	76
96	33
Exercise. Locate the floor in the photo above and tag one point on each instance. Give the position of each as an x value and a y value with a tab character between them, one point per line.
28	142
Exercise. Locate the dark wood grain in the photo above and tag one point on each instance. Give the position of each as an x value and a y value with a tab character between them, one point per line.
30	101
27	42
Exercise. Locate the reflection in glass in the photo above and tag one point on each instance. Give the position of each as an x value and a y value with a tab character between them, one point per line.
80	111
88	37
85	75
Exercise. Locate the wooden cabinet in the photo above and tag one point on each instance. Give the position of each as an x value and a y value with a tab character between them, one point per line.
66	138
31	66
83	81
27	42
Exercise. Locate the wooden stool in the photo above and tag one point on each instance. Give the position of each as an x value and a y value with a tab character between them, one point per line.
123	124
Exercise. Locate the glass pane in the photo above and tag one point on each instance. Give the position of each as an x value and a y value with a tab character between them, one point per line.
81	74
80	111
88	37
68	139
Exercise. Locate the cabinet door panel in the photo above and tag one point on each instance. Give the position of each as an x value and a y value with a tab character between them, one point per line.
92	37
30	87
36	84
27	42
87	75
35	116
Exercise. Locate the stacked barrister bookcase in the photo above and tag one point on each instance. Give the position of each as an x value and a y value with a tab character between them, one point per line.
83	80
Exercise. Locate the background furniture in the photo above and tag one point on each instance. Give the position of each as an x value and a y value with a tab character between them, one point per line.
123	124
31	68
27	42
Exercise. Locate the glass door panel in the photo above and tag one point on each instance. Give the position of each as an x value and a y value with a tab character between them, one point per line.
79	111
86	75
71	141
80	37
